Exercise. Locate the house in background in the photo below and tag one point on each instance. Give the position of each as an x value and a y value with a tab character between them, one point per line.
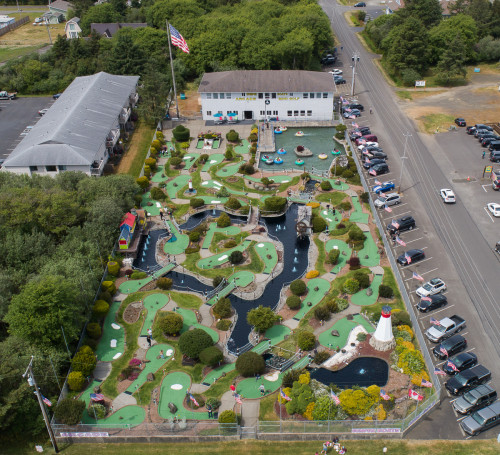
52	18
6	20
127	229
60	7
108	29
72	28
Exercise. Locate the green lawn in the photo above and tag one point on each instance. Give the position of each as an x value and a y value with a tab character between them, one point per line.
139	146
320	262
8	53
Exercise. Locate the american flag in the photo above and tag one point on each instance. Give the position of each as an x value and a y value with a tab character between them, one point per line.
425	383
238	399
387	208
46	401
452	366
443	351
285	396
344	101
434	321
361	141
352	116
384	395
415	395
378	182
373	172
407	257
178	41
416	276
335	398
439	372
348	109
193	399
426	299
367	160
395	224
355	125
398	240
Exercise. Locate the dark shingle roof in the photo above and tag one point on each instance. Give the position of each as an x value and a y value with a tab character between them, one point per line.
267	81
110	28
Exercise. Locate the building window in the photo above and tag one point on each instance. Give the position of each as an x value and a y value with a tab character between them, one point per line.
209	112
243	94
325	95
61	167
51	168
33	168
209	96
305	95
228	96
221	96
216	96
289	113
290	94
318	95
273	96
261	96
262	112
295	113
311	95
267	95
219	112
268	112
275	112
302	113
309	113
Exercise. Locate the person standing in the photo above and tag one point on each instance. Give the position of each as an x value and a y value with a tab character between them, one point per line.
148	339
262	390
150	332
161	214
484	154
209	410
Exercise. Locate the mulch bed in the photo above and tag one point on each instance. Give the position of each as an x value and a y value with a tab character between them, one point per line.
132	312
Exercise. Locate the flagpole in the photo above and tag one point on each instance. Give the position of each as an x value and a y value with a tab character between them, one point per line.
279	401
172	68
329	409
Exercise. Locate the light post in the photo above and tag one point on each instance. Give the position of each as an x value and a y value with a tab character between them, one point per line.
403	158
355	60
266	103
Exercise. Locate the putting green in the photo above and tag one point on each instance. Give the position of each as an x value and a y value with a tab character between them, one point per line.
277	333
189	320
341	186
317	289
176	184
159	176
216	373
358	216
360	298
242	279
152	303
105	352
243	147
153	365
227	171
213	160
154	209
190	159
212	229
345	253
370	249
331	219
344	327
179	245
276	178
221	258
267	252
130	416
130	286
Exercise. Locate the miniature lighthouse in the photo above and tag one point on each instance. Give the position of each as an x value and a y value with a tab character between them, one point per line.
190	183
383	339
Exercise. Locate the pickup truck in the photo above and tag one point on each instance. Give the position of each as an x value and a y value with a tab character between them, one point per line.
7	96
468	379
445	328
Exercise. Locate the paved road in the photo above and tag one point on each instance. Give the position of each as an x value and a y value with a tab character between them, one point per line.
455	247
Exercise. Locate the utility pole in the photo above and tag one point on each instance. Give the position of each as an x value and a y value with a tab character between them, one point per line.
32	382
48	31
355	60
403	158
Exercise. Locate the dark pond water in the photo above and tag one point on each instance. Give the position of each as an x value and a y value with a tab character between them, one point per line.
146	257
363	371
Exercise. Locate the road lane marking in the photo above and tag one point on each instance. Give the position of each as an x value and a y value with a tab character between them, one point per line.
485	188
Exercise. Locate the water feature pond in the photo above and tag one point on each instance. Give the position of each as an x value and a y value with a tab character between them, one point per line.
363	371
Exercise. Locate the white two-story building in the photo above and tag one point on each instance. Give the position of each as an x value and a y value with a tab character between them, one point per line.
267	94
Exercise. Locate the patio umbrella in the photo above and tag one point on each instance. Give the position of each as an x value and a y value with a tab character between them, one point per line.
232	114
218	115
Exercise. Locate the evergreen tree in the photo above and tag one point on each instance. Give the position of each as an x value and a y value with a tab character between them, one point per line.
451	66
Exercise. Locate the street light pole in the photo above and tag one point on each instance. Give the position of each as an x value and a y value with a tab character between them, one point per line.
355	60
403	158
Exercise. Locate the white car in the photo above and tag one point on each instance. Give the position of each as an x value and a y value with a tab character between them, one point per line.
336	72
494	208
448	196
361	147
434	286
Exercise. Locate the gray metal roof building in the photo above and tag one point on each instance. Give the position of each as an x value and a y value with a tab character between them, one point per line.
75	132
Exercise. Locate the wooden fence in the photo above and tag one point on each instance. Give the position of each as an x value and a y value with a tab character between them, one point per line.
13	26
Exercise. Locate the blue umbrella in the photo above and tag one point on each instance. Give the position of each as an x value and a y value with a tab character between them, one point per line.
232	115
217	115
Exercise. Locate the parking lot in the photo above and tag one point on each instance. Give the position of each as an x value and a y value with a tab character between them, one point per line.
15	116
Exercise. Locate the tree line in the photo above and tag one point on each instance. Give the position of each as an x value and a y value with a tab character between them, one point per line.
418	37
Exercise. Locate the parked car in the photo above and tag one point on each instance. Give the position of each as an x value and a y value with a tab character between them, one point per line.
410	257
467	380
387	200
470	129
450	346
341	80
445	328
407	223
432	287
485	133
379	169
336	72
360	5
329	59
480	131
352	112
368	144
495	156
486	141
358	106
56	96
384	187
460	121
459	363
371	148
482	420
42	111
494	208
375	154
476	399
448	196
371	162
495	179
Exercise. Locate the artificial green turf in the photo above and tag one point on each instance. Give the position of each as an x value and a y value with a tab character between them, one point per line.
268	254
362	299
344	327
105	352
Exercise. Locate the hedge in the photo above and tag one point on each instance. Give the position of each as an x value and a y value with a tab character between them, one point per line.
250	363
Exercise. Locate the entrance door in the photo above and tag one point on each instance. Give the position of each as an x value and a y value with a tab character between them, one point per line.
248	115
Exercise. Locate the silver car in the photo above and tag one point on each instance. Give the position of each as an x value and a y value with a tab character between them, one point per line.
387	200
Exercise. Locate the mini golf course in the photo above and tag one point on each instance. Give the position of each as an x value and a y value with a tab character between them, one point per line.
362	299
369	256
268	254
176	184
189	320
152	303
317	288
112	341
221	258
243	147
213	160
154	209
345	252
159	176
357	216
212	229
229	170
331	219
344	327
190	159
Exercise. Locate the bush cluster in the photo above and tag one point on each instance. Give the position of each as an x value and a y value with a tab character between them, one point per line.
171	323
191	343
164	283
100	308
293	302
298	287
250	363
211	356
222	309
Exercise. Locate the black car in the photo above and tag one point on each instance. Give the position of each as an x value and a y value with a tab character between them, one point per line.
379	169
410	257
431	302
460	121
368	164
483	135
329	59
460	363
374	154
407	223
470	129
56	96
340	80
360	5
467	380
487	140
450	346
480	132
356	106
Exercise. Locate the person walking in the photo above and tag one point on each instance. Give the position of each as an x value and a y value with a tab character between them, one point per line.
161	214
257	377
150	332
148	339
262	390
371	111
484	154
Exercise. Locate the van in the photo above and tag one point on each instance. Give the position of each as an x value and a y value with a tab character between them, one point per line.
495	156
475	400
482	420
494	145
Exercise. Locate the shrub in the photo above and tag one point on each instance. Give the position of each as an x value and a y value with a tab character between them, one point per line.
223	220
217	280
244	210
151	162
106	296
147	171
321	357
411	362
298	287
222	309
93	330
364	197
354	263
321	313
138	275
194	236
164	283
97	410
232	136
347	173
236	257
181	133
109	286
361	336
228	155
193	249
332	305
351	286
250	363
290	377
214	403
175	162
333	256
362	278
223	192
406	328
211	356
100	308
84	360
400	317
312	274
227	416
342	304
223	324
318	224
204	158
171	323
262	318
356	235
253	137
246	169
409	76
385	291
69	411
325	185
275	204
196	202
306	341
76	380
293	302
356	401
158	194
233	204
230	243
143	182
191	343
113	268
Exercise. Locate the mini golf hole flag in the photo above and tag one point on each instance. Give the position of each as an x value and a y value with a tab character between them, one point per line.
426	383
384	395
416	276
193	399
415	395
178	40
335	398
285	396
